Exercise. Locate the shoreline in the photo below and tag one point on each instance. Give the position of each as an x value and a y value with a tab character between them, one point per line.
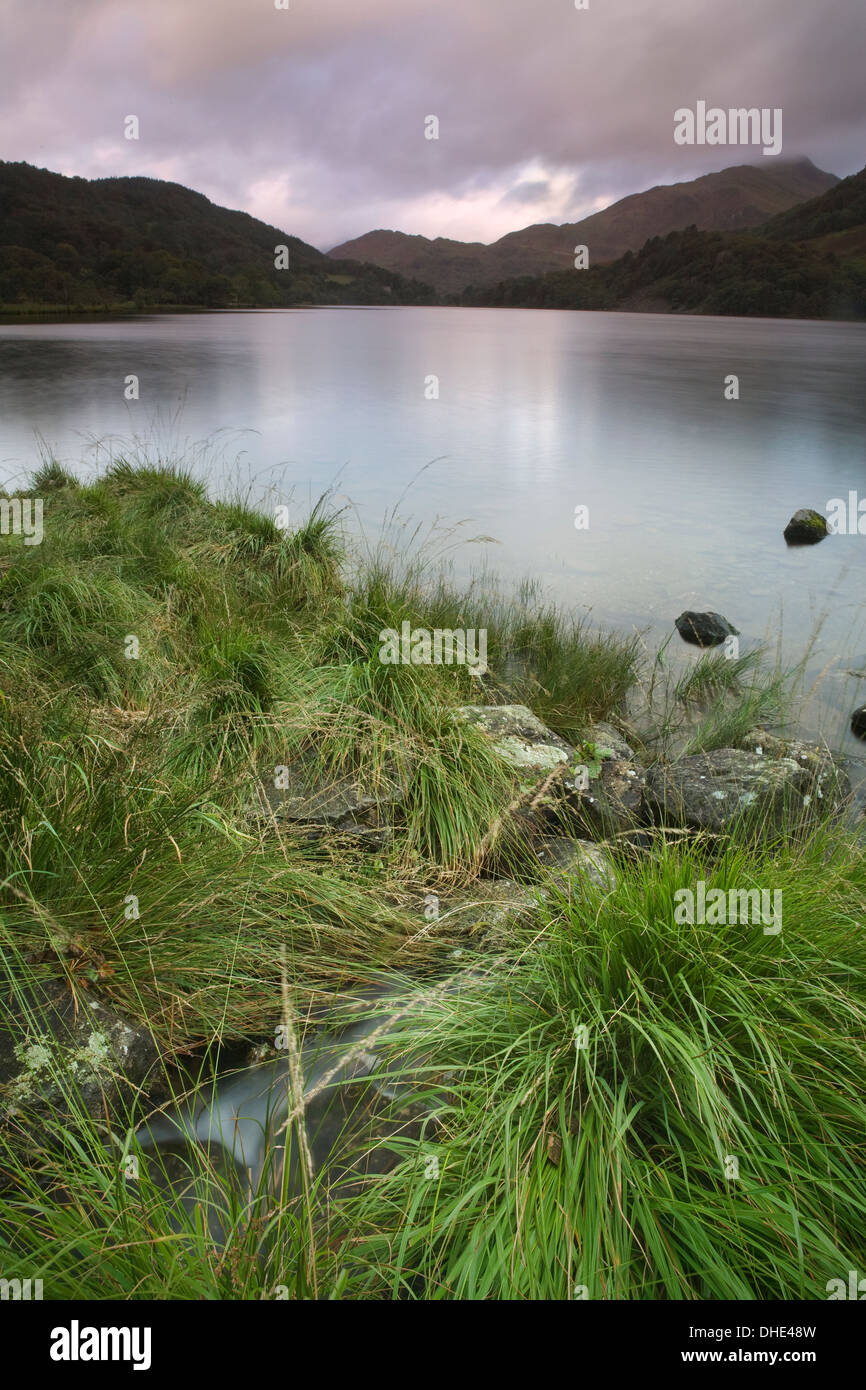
221	830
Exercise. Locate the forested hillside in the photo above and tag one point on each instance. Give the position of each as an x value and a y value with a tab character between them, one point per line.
141	242
807	263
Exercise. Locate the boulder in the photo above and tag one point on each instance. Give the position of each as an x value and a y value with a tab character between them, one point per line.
531	749
806	527
858	722
704	629
52	1056
613	800
773	791
484	915
348	803
604	735
832	786
569	859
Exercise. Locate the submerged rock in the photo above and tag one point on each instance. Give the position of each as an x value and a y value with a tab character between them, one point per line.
806	527
772	784
704	629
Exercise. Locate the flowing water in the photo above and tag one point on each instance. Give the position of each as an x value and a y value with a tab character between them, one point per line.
233	1144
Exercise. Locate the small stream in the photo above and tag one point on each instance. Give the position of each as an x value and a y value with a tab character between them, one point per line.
226	1143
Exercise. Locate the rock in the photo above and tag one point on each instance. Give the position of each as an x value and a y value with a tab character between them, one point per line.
602	735
531	749
704	629
570	859
806	527
348	802
372	838
484	916
858	722
614	799
831	782
48	1054
714	791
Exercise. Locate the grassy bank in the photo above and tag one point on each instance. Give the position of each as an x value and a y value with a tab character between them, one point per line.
160	654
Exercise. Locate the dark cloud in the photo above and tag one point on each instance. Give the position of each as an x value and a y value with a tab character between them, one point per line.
313	118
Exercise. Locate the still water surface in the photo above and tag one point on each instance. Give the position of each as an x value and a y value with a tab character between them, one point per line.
537	413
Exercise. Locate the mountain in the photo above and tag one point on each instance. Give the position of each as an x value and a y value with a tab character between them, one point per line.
807	263
144	243
141	242
743	196
447	265
835	222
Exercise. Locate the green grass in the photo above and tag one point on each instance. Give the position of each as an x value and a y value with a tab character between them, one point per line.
555	1171
600	1171
559	1169
715	703
255	645
84	1203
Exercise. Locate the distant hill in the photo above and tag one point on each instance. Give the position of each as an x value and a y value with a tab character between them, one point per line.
740	197
447	265
98	243
835	222
804	264
143	243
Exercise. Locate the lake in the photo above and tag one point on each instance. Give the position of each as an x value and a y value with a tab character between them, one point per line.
537	413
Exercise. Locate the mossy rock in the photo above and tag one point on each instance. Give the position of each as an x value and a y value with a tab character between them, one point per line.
531	750
56	1058
806	527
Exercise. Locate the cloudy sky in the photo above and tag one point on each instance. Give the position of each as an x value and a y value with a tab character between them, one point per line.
313	117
